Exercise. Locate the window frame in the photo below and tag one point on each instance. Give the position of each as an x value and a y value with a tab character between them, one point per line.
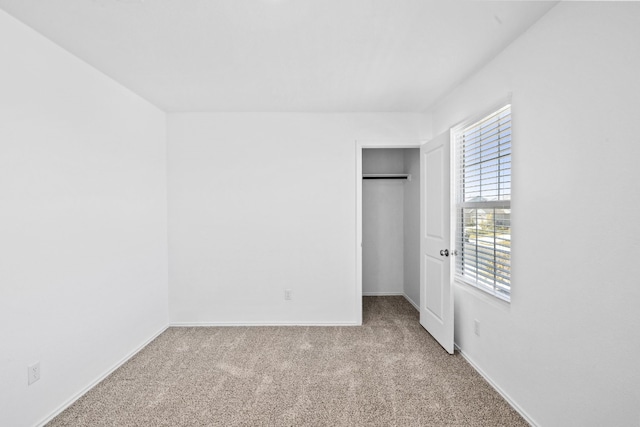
458	205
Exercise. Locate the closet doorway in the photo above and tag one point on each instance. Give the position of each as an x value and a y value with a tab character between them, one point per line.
388	221
404	229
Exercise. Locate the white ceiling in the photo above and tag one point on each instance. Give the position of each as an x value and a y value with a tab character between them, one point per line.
283	55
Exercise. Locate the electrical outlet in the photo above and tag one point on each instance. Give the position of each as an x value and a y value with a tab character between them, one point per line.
288	294
476	327
33	372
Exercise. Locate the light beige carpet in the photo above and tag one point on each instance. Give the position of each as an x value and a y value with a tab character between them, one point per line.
388	372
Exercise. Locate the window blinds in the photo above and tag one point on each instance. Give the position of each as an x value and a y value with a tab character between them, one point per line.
483	203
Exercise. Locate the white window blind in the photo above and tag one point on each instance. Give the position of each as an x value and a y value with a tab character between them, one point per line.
483	204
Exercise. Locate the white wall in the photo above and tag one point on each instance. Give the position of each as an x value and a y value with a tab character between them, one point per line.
259	203
382	223
566	349
83	247
411	222
382	160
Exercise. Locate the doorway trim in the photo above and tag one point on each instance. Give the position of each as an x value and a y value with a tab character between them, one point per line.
359	146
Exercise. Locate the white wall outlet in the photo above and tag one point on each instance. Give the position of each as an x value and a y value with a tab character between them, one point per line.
476	327
288	294
33	372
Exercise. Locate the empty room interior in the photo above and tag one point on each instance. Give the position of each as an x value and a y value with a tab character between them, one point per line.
298	212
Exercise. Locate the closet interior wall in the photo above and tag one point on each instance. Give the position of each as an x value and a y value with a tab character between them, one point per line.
391	223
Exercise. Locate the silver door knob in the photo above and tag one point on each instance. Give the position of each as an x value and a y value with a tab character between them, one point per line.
444	252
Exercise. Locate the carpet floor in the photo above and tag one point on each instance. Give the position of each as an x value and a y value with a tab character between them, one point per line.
388	372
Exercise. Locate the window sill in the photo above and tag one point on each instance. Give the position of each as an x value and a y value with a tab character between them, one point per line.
489	297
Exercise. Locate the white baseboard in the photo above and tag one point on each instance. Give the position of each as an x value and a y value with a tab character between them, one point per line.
95	382
497	388
381	294
257	323
416	306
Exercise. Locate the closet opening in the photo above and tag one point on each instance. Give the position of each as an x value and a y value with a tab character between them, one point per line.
390	222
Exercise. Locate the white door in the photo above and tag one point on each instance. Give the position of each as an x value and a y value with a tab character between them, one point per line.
436	291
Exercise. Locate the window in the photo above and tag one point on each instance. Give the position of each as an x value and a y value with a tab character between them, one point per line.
483	204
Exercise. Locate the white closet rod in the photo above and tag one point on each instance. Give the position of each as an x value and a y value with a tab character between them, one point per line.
387	176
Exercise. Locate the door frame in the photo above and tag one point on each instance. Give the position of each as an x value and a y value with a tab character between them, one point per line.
359	146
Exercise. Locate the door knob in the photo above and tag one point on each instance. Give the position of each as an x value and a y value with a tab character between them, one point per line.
444	252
